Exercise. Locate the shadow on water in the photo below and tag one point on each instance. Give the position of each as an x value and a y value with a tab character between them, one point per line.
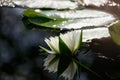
19	51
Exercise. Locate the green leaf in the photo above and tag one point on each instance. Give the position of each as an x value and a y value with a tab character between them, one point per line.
114	31
30	13
63	64
80	40
64	50
78	21
78	66
35	25
41	20
78	70
50	24
55	18
82	1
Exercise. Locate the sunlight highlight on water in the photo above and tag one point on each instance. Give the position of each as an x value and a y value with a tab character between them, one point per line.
102	2
95	2
7	3
57	4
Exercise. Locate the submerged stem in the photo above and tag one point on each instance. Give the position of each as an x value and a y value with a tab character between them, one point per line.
85	67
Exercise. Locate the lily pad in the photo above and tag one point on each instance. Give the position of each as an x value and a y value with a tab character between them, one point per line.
81	18
41	20
69	19
95	33
53	4
115	32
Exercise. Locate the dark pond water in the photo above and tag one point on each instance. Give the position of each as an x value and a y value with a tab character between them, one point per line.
19	47
19	52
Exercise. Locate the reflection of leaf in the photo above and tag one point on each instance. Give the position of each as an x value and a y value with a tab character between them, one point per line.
115	32
63	64
78	66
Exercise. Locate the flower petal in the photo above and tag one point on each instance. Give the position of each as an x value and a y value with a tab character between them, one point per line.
78	39
68	39
53	43
70	71
72	40
63	48
53	67
48	51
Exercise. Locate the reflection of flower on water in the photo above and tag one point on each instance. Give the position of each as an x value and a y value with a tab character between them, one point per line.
63	48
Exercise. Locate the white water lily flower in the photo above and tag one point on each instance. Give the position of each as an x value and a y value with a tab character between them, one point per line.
53	43
72	40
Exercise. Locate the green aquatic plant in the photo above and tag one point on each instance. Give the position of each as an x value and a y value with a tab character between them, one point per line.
61	58
114	31
65	19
